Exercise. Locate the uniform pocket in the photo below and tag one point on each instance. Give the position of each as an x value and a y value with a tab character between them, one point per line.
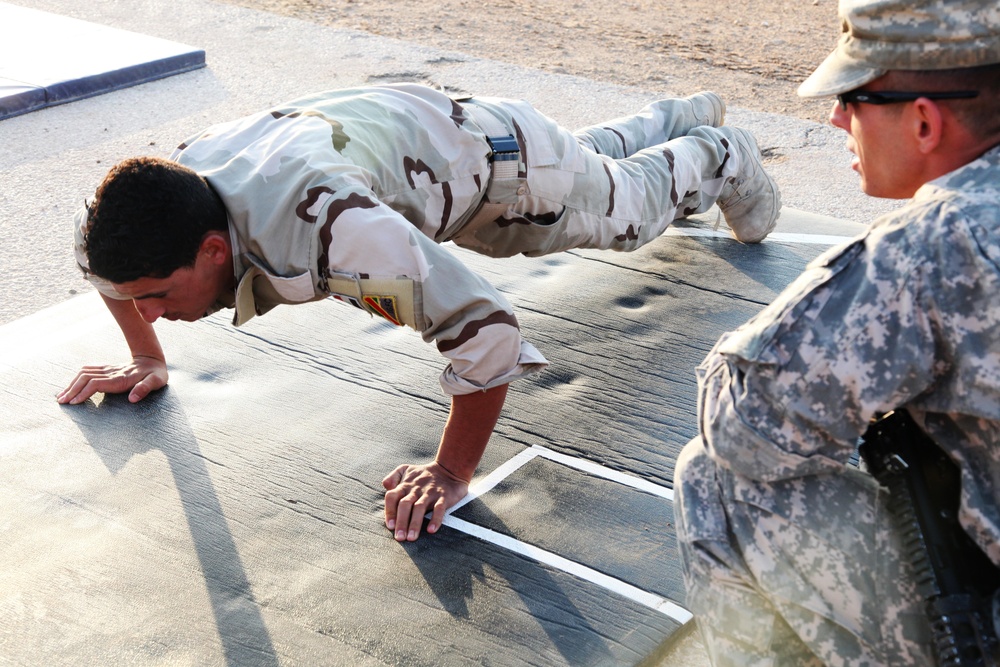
546	144
398	300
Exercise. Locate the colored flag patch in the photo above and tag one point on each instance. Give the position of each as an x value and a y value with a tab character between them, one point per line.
384	306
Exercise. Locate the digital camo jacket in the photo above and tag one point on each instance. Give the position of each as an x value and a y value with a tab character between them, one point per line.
906	315
347	194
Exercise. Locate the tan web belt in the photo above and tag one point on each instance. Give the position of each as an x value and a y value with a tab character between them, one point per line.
505	158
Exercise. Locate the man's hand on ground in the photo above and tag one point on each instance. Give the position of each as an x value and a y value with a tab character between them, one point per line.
414	490
142	376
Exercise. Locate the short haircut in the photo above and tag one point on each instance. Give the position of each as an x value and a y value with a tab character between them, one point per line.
978	114
148	219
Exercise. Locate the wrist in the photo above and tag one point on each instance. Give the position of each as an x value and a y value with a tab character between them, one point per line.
452	475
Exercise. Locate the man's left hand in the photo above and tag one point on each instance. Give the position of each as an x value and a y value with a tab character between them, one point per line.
414	490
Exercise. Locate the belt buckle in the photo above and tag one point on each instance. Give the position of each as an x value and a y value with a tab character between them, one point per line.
504	148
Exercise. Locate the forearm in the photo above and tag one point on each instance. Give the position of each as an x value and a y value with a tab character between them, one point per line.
470	425
139	334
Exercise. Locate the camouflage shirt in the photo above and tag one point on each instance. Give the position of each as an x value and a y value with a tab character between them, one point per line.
362	185
908	315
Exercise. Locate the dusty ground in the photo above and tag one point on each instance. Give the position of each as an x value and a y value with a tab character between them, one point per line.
754	53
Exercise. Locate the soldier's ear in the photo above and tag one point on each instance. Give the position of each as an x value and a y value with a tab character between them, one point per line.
926	125
215	247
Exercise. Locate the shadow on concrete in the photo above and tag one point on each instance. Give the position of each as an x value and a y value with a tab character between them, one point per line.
118	430
567	627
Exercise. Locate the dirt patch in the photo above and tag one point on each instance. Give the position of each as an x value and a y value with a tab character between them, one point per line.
754	54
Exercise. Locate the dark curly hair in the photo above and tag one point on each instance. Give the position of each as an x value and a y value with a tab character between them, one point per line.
148	219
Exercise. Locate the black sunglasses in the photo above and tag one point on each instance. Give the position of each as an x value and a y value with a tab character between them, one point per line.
890	96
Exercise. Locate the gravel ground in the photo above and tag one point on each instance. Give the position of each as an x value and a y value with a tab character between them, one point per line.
754	53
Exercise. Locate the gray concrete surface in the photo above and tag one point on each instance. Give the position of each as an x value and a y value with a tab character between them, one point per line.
33	75
52	159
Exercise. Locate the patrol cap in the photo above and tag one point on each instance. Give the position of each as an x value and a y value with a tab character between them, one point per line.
882	35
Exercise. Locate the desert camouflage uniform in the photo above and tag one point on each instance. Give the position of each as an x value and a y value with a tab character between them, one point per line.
364	184
787	555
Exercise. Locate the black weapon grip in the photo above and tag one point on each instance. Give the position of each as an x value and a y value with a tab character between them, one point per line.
954	576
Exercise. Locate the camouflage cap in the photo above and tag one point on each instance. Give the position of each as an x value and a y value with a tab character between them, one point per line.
882	35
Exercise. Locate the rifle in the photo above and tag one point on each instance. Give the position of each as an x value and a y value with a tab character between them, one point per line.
955	578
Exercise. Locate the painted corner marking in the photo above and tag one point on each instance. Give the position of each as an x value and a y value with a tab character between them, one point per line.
622	588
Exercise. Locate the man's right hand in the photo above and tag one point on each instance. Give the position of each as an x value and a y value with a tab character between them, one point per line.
146	373
142	376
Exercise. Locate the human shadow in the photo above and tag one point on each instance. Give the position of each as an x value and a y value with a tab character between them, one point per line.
567	627
118	430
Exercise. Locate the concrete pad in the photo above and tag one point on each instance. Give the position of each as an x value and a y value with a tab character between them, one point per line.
48	59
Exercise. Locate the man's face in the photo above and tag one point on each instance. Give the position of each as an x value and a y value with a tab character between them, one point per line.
187	294
884	155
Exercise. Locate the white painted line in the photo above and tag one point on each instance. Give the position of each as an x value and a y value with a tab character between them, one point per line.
816	239
36	334
655	602
598	470
780	237
487	483
696	232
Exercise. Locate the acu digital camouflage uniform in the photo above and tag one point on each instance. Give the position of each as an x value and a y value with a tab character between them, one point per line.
788	552
778	531
348	194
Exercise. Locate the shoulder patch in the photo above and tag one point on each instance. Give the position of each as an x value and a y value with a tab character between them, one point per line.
384	305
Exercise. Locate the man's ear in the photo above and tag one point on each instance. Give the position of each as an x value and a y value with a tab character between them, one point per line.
927	125
215	246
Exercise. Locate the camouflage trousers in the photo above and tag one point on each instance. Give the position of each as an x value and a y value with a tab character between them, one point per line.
804	571
616	185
